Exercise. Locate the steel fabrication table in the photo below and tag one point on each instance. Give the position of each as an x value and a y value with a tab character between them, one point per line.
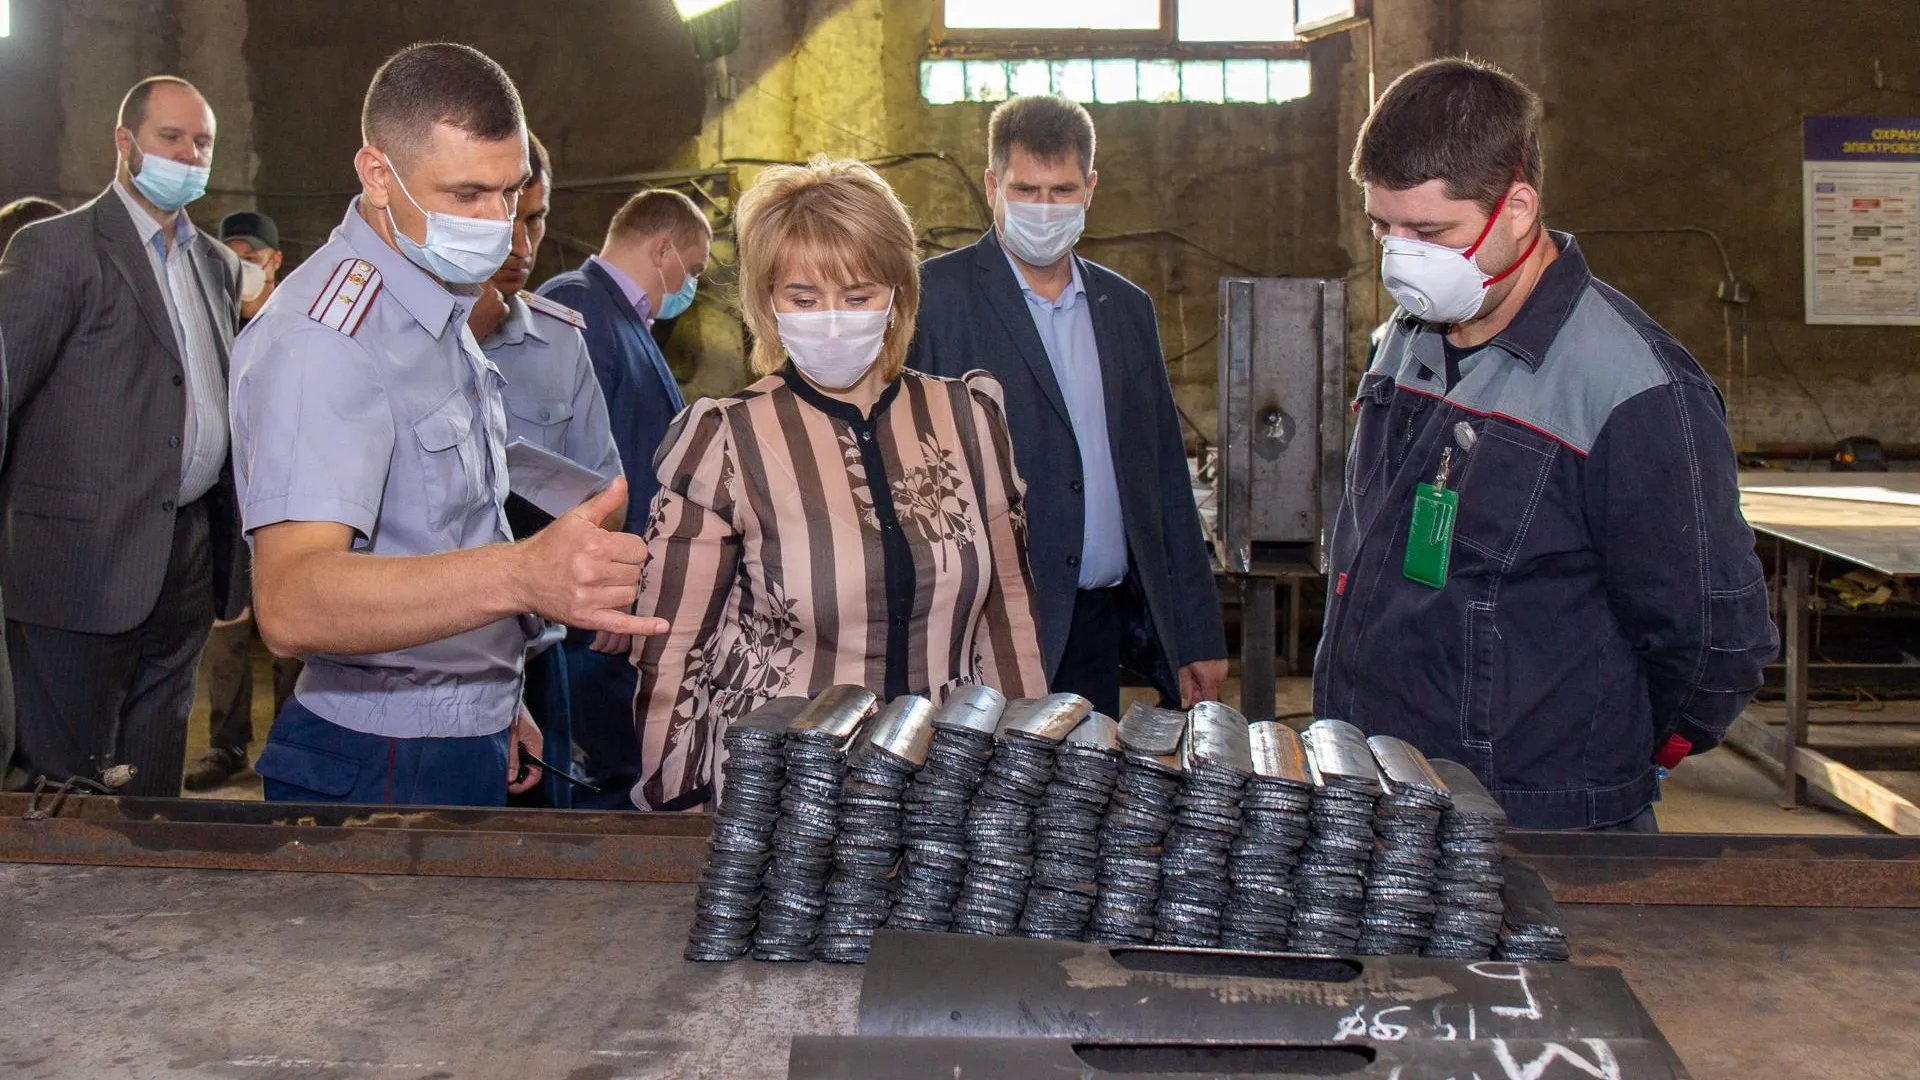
125	972
421	955
1867	519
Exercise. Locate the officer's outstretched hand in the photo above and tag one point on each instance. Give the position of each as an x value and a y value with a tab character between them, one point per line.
578	574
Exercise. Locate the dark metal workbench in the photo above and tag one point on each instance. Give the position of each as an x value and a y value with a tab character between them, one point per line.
443	943
114	972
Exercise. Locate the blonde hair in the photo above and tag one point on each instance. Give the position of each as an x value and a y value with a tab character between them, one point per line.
844	220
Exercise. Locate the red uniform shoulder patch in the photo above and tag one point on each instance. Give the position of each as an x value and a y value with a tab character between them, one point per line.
348	296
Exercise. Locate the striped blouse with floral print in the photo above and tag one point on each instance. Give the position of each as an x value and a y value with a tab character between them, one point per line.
796	544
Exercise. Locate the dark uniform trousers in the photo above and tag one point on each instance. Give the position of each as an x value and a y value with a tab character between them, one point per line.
89	701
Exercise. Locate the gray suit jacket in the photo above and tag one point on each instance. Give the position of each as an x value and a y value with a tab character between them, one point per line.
97	410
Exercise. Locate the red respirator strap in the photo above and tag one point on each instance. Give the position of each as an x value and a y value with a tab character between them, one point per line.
1488	231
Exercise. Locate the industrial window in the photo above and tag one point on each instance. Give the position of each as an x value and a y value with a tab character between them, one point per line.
1114	21
1110	51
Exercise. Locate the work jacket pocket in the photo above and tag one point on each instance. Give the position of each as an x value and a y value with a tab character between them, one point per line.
1500	480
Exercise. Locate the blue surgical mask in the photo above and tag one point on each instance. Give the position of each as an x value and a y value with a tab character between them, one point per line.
678	301
458	250
168	184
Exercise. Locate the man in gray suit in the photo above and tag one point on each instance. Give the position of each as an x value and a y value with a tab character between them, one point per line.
119	525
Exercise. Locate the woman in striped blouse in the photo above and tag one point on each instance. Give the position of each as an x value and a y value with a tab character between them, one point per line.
842	520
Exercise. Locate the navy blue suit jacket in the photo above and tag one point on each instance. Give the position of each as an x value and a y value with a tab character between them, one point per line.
642	395
973	316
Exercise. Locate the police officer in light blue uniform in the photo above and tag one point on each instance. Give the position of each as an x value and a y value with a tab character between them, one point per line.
552	400
369	434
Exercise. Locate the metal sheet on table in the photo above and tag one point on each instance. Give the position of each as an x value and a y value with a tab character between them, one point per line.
1878	536
863	1058
961	986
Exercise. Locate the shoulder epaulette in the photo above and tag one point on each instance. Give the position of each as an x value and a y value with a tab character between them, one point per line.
554	309
348	296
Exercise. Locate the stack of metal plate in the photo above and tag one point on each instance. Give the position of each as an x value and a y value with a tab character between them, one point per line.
727	907
796	882
1066	829
936	805
1273	827
1329	884
1216	760
1000	822
942	1006
1467	884
1406	821
1136	824
1532	930
860	893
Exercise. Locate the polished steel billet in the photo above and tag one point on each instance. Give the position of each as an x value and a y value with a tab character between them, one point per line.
1048	719
903	730
1336	748
1468	794
1097	730
775	716
1148	730
1277	752
974	708
835	714
1217	735
1404	767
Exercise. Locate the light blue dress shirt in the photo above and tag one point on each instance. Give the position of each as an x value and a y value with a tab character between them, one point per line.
396	430
553	399
1066	330
204	442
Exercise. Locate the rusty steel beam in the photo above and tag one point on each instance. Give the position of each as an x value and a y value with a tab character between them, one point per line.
1580	868
1728	870
206	835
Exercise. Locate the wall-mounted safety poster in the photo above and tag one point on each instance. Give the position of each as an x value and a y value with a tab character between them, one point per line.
1862	211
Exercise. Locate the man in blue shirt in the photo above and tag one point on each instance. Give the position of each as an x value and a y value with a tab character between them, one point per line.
1115	540
370	439
648	268
553	401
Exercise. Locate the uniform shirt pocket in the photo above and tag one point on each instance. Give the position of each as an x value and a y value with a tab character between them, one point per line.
542	421
451	465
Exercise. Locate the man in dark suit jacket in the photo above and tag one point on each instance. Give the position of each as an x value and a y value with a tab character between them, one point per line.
120	527
656	248
1113	532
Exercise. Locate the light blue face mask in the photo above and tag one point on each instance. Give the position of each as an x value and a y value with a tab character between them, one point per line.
168	184
458	250
675	303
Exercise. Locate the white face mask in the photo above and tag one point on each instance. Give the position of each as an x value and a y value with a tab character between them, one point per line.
1041	234
458	250
1439	284
253	281
834	349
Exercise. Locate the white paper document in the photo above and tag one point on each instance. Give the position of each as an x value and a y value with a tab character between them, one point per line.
554	483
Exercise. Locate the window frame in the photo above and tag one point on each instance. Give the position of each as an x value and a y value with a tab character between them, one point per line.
968	43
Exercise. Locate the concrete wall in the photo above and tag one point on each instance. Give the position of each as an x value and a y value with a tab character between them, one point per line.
1659	115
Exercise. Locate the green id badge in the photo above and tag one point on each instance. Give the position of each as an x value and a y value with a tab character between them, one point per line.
1430	536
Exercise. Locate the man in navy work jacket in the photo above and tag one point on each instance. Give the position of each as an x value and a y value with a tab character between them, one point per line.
1112	530
1540	568
370	445
649	267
